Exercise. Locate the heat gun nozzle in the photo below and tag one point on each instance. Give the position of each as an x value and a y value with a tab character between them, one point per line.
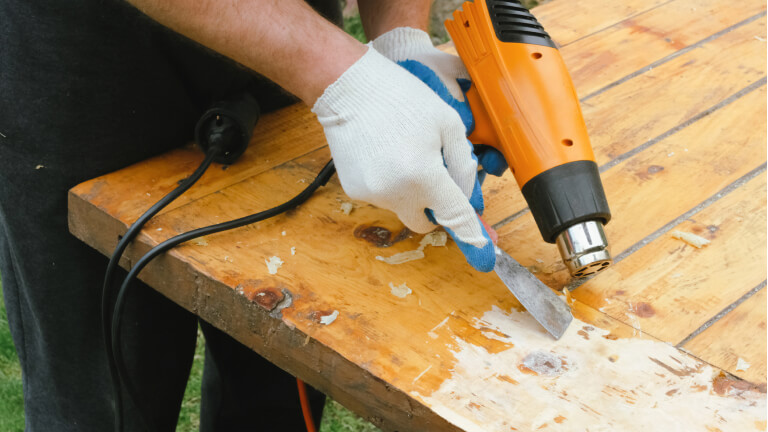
584	248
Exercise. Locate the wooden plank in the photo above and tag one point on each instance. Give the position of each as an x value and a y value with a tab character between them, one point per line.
669	288
673	93
282	135
659	184
740	335
424	355
569	21
637	42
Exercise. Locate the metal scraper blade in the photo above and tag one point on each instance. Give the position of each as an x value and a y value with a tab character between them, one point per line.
538	299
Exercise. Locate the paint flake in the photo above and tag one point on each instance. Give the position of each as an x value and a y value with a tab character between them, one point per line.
692	239
742	365
401	290
328	319
273	263
293	250
347	207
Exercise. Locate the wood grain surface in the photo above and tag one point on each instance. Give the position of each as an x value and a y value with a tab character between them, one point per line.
670	338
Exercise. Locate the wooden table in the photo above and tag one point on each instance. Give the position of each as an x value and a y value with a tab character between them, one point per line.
670	338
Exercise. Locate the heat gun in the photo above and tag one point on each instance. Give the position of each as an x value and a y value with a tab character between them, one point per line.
524	104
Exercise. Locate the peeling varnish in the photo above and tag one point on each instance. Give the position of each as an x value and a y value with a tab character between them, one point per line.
328	319
742	365
435	238
273	263
400	291
650	386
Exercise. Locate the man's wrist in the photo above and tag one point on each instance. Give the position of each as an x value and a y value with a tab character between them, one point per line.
381	16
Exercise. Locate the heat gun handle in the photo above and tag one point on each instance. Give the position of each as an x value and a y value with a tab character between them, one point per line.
525	105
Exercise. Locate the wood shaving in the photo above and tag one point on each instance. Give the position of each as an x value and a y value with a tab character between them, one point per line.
329	318
691	239
401	290
273	263
347	207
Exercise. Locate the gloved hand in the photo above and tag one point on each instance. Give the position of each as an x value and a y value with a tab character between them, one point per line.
398	146
442	72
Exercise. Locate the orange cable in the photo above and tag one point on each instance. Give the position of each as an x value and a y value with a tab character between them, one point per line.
305	406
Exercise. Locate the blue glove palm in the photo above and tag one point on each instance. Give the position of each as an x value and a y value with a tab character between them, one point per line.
482	259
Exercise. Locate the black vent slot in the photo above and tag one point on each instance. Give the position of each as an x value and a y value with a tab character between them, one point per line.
512	22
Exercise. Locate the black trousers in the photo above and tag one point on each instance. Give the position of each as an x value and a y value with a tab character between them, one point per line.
88	87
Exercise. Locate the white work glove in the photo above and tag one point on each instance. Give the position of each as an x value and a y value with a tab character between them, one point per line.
442	72
398	146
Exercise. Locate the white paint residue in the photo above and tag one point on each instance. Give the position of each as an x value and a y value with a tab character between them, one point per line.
742	365
201	242
421	374
347	207
39	167
283	233
293	250
273	263
691	239
327	319
435	238
432	333
401	290
584	381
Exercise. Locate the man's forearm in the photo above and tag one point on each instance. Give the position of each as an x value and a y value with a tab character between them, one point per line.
381	16
285	40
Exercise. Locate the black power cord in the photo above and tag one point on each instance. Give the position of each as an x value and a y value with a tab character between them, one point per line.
321	179
106	299
223	132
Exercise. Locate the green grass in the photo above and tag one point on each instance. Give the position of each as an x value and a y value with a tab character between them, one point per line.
11	400
354	27
335	417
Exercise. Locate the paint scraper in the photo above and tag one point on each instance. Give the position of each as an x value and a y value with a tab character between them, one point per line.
538	299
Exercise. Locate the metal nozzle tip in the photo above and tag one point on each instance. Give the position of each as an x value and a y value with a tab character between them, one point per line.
584	248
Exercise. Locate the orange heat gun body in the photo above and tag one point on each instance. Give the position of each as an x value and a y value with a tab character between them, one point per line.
524	104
